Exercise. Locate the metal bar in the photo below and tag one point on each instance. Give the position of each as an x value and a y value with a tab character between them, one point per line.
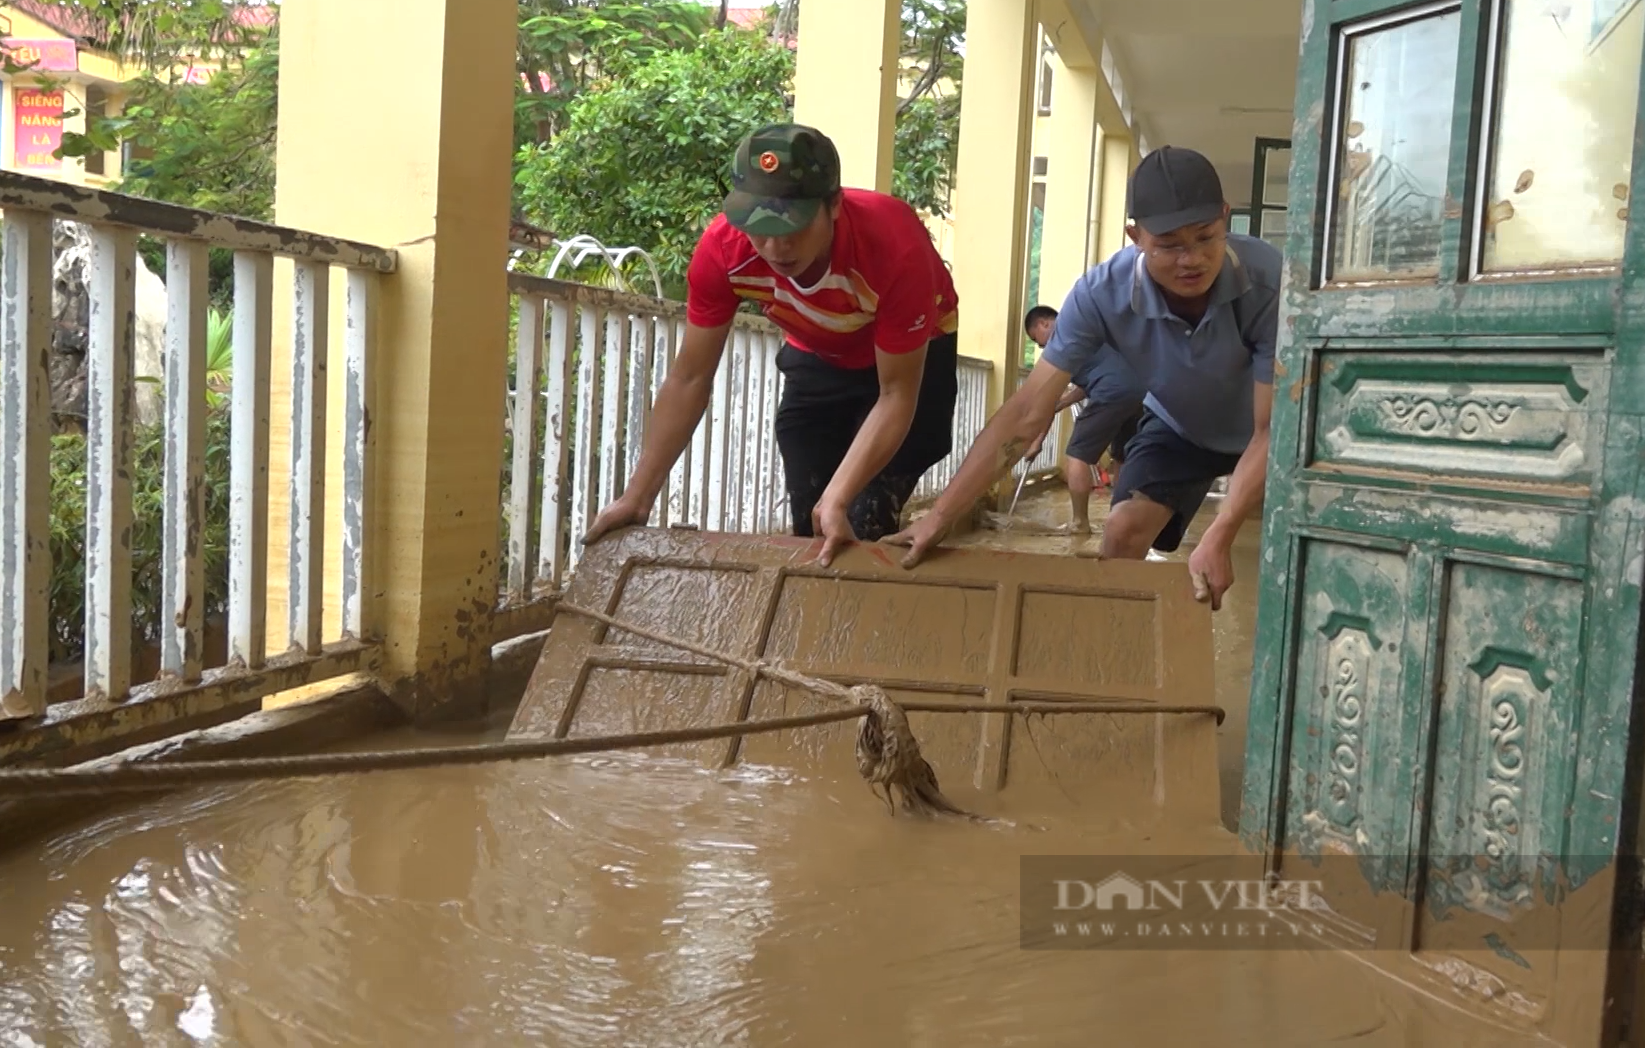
668	500
109	387
311	312
25	464
528	354
585	449
359	403
103	209
182	571
248	457
551	557
642	351
757	481
736	437
615	359
775	486
702	445
719	452
161	709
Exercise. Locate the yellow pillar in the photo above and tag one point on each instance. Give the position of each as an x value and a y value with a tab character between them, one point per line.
442	200
845	83
1116	175
1071	161
991	185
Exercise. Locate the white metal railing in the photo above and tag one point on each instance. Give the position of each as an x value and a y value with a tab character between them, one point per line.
261	658
596	358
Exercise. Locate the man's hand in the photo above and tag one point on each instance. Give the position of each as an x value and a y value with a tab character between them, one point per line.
622	513
833	523
920	538
1211	566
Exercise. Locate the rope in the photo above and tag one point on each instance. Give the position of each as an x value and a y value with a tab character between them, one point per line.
760	668
136	777
887	753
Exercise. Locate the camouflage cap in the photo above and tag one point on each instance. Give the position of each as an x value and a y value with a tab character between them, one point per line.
781	176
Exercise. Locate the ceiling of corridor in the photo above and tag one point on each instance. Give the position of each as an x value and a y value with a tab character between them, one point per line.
1210	74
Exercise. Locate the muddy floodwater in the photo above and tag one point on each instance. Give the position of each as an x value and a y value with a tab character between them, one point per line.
621	901
627	901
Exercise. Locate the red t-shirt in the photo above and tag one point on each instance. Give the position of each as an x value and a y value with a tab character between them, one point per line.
886	286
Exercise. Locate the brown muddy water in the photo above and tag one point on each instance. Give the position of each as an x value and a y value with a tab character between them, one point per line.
624	900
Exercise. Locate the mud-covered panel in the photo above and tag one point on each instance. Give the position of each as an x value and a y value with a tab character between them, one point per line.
654	595
1099	639
624	701
978	626
1124	766
1508	713
949	741
900	628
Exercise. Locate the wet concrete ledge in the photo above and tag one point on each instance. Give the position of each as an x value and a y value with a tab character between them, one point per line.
345	719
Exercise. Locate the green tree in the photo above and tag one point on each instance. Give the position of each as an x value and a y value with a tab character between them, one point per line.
205	145
928	118
575	43
644	157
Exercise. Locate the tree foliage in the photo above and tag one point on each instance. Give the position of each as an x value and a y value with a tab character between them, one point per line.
644	158
205	145
157	34
928	117
574	43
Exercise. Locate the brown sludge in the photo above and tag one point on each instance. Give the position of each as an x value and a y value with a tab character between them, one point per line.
637	899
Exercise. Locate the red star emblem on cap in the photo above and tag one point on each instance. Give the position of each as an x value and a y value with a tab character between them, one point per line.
768	162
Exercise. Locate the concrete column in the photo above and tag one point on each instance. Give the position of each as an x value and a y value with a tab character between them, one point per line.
442	200
1115	178
1071	164
845	83
991	185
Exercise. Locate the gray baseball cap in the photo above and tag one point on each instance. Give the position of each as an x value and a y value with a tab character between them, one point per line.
1173	188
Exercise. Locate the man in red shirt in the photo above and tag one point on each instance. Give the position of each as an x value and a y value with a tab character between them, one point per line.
869	314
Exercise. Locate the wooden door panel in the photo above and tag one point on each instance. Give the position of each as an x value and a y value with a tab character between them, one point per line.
1495	830
967	625
1350	790
1486	416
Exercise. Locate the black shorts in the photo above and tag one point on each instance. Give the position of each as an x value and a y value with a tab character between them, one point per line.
1171	471
822	408
1104	427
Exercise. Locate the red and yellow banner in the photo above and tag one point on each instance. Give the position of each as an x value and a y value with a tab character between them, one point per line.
37	126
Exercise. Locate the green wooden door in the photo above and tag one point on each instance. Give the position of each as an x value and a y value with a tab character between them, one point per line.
1441	711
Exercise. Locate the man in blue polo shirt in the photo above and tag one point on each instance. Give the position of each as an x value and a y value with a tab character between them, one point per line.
1193	309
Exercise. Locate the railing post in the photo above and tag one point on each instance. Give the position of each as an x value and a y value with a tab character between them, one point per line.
183	579
108	464
25	466
248	459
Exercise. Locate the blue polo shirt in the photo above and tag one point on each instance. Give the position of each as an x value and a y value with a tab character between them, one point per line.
1108	379
1198	379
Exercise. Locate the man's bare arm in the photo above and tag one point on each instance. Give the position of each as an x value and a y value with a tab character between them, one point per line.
1245	486
997	448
